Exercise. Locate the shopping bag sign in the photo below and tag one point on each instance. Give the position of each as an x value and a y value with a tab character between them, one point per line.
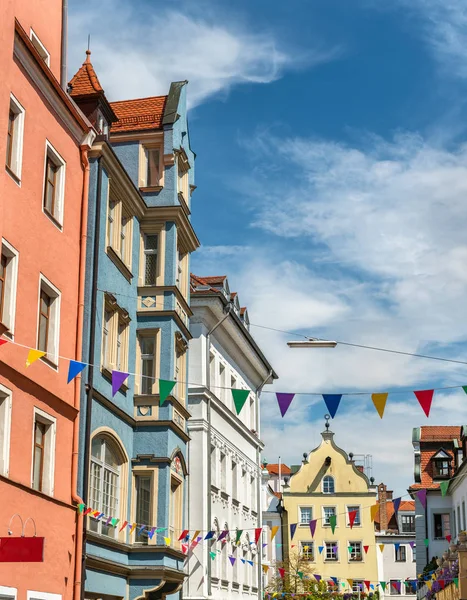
21	549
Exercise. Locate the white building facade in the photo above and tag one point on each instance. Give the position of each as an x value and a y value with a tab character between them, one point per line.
224	491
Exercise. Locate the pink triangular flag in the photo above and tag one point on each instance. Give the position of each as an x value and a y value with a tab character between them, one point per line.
425	398
284	401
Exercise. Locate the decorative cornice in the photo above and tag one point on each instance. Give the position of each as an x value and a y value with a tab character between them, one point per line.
166	313
156	215
152	571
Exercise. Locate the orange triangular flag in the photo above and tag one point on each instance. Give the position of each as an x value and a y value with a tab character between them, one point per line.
381	547
274	530
374	511
34	355
265	568
379	400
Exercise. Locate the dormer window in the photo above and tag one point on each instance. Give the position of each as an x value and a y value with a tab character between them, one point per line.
101	124
151	171
441	465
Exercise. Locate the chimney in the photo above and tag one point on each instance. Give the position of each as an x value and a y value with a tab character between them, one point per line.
389	494
383	513
360	468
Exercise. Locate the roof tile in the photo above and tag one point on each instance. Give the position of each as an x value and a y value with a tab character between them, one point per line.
139	114
85	82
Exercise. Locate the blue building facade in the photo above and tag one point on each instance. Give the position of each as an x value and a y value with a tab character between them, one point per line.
132	468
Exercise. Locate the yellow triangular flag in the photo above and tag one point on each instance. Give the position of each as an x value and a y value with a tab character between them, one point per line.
34	355
429	584
132	528
196	534
274	530
350	582
167	541
381	547
379	400
374	511
265	568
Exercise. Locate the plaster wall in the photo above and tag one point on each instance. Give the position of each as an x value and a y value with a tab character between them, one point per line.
389	568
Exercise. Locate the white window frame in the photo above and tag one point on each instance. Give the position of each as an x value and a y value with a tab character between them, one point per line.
143	163
42	596
398	551
140	335
109	359
359	515
11	285
119	230
333	484
332	544
349	555
324	524
17	151
53	341
183	170
48	482
57	218
358	585
39	46
6	399
303	523
8	593
309	543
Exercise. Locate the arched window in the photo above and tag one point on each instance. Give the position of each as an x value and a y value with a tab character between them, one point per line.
104	483
328	485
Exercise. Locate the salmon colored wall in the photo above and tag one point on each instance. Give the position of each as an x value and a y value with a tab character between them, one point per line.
42	248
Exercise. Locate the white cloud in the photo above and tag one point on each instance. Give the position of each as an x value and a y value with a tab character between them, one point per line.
387	222
138	54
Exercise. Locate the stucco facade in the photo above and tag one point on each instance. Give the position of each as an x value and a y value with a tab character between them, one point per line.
224	451
328	483
40	230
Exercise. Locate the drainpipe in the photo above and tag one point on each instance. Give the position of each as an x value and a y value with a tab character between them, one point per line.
64	45
92	334
227	310
77	382
258	487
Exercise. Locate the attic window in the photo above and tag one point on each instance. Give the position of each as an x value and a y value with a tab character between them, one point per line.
441	465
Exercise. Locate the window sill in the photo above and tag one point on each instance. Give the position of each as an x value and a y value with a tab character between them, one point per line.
55	221
401	561
49	363
13	175
118	262
151	188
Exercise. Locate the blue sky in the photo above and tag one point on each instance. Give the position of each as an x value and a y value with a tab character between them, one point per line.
332	189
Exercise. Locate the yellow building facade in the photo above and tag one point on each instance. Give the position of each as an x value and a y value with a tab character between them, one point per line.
328	484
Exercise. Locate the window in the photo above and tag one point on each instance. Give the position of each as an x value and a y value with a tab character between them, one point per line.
5	425
147	348
410	586
400	553
175	524
151	172
328	485
357	585
43	452
8	281
119	228
307	551
104	483
41	49
253	494
10	593
441	526
213	467
14	141
355	552
463	514
54	184
395	587
150	258
414	553
306	513
328	511
331	551
356	509
407	523
143	503
115	336
459	523
180	366
48	328
234	481
441	468
223	473
182	178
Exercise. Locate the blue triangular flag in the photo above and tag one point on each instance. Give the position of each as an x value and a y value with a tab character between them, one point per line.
250	562
243	560
293	527
396	503
209	535
320	548
74	369
334	579
397	546
332	403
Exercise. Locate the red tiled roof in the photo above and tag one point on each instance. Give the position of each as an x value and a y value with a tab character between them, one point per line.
273	469
85	81
136	115
439	433
196	280
242	310
424	486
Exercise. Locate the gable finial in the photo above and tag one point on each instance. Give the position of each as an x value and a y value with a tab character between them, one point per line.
327	417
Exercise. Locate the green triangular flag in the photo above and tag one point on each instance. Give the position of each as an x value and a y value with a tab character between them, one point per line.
212	555
427	542
443	486
383	585
300	574
456	581
239	535
332	522
80	508
349	548
343	584
464	387
165	387
239	398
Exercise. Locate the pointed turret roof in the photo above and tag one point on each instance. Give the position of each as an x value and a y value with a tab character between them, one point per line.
85	81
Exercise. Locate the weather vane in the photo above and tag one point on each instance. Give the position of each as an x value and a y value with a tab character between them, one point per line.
327	417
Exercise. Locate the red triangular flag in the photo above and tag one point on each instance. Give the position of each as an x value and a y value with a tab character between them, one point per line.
3	342
425	398
281	572
184	548
258	532
184	534
352	517
448	538
366	549
367	583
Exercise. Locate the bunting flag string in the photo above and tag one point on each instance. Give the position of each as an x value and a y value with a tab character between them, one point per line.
332	401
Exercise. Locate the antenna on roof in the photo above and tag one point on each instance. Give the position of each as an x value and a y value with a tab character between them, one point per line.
89	41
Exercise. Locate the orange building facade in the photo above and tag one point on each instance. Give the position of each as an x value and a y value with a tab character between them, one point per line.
43	218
